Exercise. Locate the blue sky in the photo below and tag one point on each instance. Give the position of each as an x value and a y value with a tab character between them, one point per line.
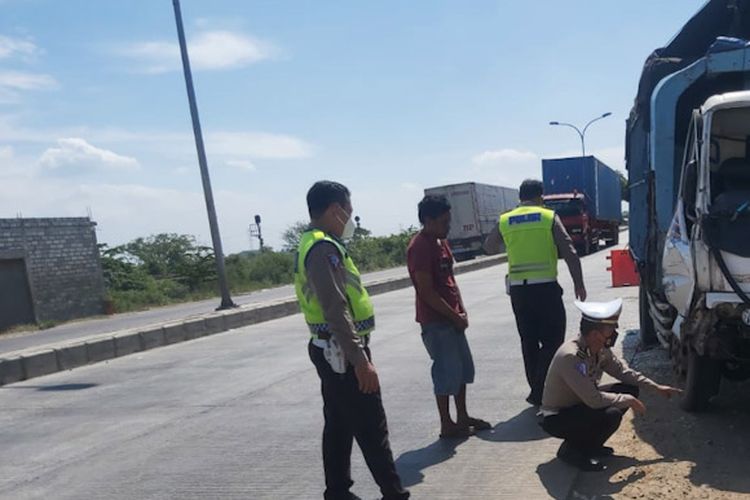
388	97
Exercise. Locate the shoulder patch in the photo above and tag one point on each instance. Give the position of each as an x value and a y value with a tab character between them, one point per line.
335	260
581	368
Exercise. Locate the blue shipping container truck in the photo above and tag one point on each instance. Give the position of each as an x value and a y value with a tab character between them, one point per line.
586	195
588	175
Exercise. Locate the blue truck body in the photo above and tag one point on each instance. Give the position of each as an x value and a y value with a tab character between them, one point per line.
698	63
589	176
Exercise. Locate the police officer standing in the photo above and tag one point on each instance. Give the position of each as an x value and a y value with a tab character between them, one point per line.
574	406
534	237
340	317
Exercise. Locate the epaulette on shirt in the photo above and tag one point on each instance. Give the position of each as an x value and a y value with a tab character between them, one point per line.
581	353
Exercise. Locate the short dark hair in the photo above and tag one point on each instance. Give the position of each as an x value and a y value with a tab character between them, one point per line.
530	189
588	326
432	206
323	194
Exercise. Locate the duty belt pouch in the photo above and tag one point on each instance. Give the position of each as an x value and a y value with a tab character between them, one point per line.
335	356
507	284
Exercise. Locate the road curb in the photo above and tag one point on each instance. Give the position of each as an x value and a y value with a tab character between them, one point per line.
39	361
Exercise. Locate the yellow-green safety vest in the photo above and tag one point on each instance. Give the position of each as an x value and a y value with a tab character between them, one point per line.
360	304
532	253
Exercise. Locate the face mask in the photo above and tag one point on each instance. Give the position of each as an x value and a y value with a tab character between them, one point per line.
611	341
349	229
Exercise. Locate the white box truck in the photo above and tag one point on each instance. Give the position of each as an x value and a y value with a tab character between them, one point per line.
475	209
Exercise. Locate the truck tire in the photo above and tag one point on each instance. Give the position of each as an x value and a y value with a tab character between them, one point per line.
648	331
702	382
616	236
463	257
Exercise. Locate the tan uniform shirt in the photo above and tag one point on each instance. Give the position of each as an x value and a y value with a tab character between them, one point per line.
574	375
563	242
326	275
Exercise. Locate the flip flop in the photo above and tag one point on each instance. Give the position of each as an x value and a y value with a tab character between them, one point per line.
479	424
457	433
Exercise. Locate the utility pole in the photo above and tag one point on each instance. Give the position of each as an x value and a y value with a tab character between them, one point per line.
259	232
226	299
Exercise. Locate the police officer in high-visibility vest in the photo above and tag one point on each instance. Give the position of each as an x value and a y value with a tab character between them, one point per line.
340	318
534	237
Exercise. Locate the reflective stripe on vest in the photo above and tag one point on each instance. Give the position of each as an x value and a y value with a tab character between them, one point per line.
527	233
360	304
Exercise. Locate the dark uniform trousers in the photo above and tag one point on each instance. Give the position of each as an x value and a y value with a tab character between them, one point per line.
585	428
350	414
540	319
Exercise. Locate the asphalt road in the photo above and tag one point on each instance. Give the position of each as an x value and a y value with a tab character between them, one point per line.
238	415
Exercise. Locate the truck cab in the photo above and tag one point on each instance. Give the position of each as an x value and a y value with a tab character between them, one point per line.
574	214
706	258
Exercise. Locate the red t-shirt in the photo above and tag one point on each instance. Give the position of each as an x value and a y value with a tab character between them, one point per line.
431	255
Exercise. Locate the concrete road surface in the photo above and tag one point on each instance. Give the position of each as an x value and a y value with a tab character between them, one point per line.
238	415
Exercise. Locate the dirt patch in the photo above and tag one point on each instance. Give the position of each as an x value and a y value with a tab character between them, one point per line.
669	453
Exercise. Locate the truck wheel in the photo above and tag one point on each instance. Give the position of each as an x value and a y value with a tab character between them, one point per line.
702	383
463	257
648	331
616	236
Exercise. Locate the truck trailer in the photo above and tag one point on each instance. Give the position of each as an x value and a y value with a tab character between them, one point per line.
475	209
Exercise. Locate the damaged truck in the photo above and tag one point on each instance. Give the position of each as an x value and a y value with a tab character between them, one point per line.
688	161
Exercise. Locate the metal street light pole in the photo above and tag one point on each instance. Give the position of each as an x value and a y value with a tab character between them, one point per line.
581	133
226	299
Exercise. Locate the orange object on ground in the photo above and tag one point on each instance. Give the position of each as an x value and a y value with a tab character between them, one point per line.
624	271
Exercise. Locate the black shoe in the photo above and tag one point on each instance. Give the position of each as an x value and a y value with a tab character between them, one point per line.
604	451
578	459
534	400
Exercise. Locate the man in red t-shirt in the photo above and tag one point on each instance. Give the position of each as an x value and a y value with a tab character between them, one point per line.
441	313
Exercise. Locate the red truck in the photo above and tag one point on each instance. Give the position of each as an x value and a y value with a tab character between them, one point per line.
585	194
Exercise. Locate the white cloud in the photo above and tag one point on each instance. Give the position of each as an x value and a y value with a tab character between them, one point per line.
12	47
19	80
209	50
12	83
257	145
242	165
74	154
220	145
504	167
502	156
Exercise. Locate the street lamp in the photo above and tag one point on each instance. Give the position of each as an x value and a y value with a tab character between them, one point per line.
581	134
226	299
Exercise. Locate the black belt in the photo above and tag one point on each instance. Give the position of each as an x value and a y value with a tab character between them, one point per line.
327	336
